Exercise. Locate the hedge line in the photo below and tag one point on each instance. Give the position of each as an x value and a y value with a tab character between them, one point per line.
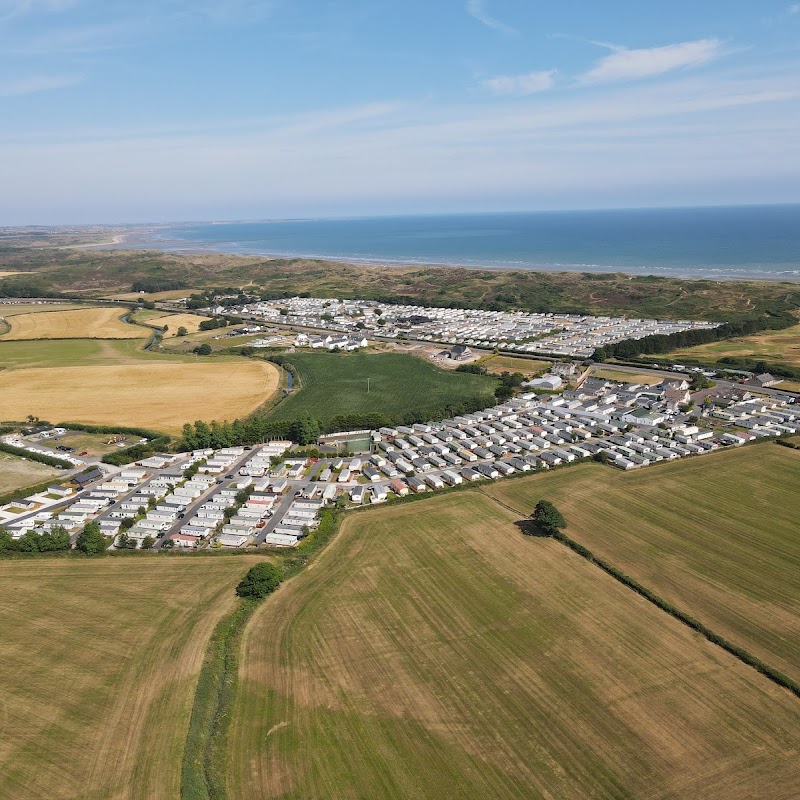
747	658
141	432
51	461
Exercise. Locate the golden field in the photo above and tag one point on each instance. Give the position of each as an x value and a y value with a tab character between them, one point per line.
151	394
100	660
84	323
434	651
174	321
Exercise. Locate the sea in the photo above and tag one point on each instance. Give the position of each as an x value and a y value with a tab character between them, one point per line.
742	242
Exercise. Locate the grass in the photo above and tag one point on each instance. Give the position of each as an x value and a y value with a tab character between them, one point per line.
100	660
16	308
86	323
94	444
716	537
83	352
398	384
781	346
17	473
620	376
527	366
434	651
160	396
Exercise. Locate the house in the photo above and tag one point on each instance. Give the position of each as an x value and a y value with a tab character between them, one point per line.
765	380
459	352
229	539
549	383
90	476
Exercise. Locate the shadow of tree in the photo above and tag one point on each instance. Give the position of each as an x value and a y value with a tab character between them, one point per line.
530	528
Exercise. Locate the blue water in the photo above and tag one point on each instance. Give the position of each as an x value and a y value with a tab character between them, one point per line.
733	242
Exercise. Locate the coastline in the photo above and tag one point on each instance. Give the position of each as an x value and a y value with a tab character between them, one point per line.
716	274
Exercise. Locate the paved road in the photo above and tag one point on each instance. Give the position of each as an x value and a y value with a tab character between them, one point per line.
225	481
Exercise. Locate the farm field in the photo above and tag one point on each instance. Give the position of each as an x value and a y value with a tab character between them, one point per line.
716	536
527	366
158	395
82	352
398	384
174	321
170	294
17	473
434	651
100	659
85	323
15	308
764	346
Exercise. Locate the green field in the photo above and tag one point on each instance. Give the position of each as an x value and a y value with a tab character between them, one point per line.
99	660
433	651
80	352
718	537
398	385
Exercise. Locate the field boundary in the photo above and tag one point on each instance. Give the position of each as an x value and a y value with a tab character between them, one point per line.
772	674
202	773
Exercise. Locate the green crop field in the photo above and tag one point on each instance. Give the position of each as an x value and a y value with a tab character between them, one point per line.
99	660
717	536
434	651
334	383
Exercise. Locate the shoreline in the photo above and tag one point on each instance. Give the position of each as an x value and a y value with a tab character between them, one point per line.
175	248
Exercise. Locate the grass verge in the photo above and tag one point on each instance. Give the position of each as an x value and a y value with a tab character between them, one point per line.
202	774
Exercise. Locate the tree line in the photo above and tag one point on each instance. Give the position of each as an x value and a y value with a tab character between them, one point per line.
664	343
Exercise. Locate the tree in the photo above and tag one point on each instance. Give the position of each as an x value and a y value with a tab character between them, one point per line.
168	544
6	541
182	331
305	431
261	580
548	517
203	349
148	542
127	523
122	541
91	540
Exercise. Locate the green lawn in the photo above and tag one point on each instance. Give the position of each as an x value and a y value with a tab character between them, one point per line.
434	651
717	536
398	385
80	352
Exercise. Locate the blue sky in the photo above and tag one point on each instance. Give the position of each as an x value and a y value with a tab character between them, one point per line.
159	110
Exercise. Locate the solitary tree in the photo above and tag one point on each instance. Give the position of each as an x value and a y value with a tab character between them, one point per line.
91	540
548	517
260	580
203	349
148	542
182	331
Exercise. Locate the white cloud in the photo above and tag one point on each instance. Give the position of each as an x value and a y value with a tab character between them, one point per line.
478	10
794	8
627	65
532	82
36	83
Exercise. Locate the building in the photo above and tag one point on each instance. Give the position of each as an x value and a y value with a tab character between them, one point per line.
765	380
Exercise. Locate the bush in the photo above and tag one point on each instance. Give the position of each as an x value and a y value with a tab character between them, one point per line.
261	580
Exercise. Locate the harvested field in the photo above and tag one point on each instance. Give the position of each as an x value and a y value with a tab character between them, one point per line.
716	536
17	473
156	395
170	294
100	659
13	309
174	321
434	651
86	323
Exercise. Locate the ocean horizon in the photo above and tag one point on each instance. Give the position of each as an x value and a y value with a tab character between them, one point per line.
744	242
